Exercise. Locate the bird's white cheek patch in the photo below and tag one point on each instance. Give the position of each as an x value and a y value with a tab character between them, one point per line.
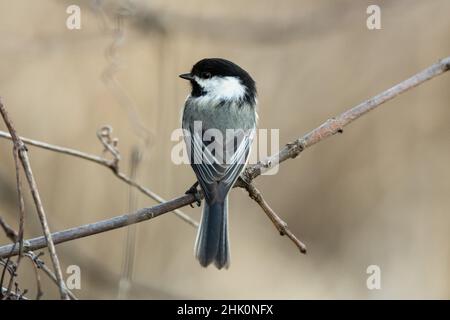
227	88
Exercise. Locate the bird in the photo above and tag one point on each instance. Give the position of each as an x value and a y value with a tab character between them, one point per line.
219	124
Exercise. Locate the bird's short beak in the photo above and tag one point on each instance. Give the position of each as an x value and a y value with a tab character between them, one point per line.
186	76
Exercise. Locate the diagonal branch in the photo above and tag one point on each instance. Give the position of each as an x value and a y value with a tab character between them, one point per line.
102	226
337	124
39	264
9	231
39	292
281	226
291	150
21	149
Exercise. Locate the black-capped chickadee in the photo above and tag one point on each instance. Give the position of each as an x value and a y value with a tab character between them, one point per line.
219	123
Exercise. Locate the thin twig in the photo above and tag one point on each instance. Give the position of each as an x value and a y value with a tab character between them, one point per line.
291	150
104	134
281	226
106	163
59	149
23	155
12	295
39	292
41	265
9	231
37	263
20	234
9	266
35	258
21	201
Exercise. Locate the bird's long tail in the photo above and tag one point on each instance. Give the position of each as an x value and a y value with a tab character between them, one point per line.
212	237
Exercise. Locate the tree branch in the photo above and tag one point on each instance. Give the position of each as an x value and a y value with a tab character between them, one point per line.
111	164
337	124
21	150
39	264
291	150
12	295
102	226
39	292
9	231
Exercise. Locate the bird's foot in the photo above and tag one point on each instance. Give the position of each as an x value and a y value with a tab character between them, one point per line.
193	190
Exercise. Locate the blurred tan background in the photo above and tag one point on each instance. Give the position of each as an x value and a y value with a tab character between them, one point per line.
378	194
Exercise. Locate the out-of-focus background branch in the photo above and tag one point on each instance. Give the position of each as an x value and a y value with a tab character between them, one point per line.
378	195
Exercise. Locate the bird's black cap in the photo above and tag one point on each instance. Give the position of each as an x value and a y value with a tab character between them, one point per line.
210	67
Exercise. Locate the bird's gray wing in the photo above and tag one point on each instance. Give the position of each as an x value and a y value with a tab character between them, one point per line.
217	174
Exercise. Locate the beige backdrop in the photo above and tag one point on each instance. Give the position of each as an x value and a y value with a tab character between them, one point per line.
378	194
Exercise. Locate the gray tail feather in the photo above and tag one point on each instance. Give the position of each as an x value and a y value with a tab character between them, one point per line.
212	237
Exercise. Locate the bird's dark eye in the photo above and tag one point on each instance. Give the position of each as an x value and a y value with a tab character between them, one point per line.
206	75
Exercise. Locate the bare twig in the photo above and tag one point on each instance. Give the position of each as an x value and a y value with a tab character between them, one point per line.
106	163
9	266
19	237
41	265
337	124
39	292
281	226
37	263
12	295
10	232
291	150
23	155
21	203
110	145
59	149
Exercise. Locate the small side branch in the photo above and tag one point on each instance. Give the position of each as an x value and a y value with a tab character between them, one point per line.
13	295
39	292
9	231
281	226
39	264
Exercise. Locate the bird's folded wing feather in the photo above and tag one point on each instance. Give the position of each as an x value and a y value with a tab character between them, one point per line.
213	170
